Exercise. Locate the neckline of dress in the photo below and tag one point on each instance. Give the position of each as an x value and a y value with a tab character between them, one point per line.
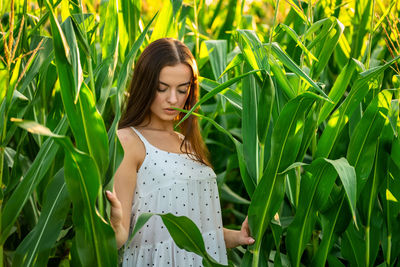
159	149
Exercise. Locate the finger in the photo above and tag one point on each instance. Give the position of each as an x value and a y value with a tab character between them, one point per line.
247	240
113	199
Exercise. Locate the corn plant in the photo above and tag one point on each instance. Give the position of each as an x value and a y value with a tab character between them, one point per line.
301	118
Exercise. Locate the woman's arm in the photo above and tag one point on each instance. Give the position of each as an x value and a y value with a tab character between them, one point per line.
234	238
124	184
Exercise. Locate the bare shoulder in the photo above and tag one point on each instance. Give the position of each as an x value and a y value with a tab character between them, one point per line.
132	145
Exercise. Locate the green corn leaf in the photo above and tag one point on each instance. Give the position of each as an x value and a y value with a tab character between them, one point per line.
361	150
34	175
290	64
184	232
264	108
236	61
84	119
234	98
217	50
393	115
166	22
340	117
314	192
129	30
109	44
337	91
74	60
229	195
296	38
353	247
281	78
334	222
347	175
324	24
42	59
286	138
361	24
35	249
250	91
95	239
325	47
93	125
128	63
252	49
299	11
110	34
310	128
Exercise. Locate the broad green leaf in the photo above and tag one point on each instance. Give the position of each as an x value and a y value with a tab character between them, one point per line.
35	249
250	91
34	175
296	38
234	98
217	50
353	247
68	31
141	221
337	91
264	108
229	195
84	119
184	232
286	138
281	78
314	192
325	47
347	175
109	44
128	24
340	117
128	63
110	33
95	238
361	150
252	49
361	24
334	222
290	64
236	61
166	21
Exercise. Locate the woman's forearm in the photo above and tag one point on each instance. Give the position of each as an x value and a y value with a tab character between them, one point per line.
121	235
230	237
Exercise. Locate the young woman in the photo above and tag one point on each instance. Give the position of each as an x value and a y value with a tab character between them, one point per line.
164	171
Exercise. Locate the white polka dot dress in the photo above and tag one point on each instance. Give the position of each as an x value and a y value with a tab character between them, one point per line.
174	183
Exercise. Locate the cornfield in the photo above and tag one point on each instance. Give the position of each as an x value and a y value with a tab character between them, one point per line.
299	108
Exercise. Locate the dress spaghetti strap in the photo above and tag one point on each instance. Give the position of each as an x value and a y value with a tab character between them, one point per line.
142	138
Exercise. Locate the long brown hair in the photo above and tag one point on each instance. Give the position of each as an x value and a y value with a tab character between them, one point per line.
145	81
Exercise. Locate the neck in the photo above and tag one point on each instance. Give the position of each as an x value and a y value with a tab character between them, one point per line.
153	124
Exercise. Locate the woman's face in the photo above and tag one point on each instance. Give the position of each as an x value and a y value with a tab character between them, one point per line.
172	91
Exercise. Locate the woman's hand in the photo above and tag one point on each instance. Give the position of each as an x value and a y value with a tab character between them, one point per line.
116	219
116	210
234	238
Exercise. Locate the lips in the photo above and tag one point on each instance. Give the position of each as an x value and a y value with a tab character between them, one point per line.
170	111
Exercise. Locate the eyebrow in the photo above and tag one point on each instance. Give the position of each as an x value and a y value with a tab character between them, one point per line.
182	84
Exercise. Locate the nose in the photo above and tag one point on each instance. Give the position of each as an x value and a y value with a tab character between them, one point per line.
172	97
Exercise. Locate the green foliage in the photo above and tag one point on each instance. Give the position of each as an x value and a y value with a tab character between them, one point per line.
300	113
